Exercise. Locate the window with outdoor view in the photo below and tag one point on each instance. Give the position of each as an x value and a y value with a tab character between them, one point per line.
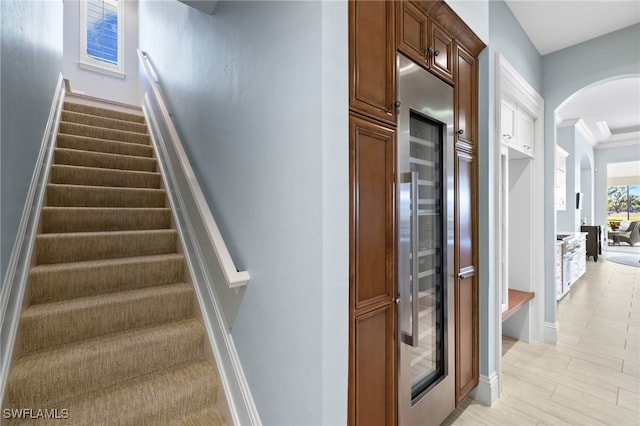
623	203
102	36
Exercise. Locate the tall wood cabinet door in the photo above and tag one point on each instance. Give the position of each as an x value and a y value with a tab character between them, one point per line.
372	59
372	165
372	273
466	288
466	93
372	364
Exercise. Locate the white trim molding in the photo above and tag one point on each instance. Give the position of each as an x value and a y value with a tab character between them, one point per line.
488	390
13	287
551	332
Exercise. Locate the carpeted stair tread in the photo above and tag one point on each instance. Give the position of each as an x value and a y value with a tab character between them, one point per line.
103	112
91	176
104	122
95	219
74	157
64	281
60	195
156	399
78	246
47	377
209	417
84	143
52	324
102	133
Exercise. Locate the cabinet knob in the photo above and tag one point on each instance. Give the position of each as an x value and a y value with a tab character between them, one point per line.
507	136
460	131
397	104
432	51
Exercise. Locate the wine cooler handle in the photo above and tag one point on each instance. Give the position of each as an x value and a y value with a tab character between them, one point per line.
415	265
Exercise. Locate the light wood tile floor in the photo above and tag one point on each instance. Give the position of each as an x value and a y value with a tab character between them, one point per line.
592	376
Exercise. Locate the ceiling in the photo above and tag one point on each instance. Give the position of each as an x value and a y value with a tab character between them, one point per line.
608	113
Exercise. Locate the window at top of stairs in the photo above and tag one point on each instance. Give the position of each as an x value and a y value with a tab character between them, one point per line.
102	36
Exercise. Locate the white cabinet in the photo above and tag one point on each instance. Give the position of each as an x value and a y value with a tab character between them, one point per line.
580	261
558	270
516	127
561	179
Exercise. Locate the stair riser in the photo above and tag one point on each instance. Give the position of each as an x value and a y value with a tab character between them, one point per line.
60	248
105	161
57	220
70	196
92	280
72	175
102	133
104	122
102	112
40	381
101	145
72	323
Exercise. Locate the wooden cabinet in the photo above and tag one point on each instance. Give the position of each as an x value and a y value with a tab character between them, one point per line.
465	268
594	240
466	220
423	40
466	98
372	59
372	286
422	28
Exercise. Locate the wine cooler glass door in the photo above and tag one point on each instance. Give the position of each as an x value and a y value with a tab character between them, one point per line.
426	370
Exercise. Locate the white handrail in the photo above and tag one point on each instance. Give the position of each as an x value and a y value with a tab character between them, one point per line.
233	277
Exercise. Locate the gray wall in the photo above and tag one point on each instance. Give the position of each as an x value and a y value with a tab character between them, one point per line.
259	95
94	83
566	72
31	61
507	38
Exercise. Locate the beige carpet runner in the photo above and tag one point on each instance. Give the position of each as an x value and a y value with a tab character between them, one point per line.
109	335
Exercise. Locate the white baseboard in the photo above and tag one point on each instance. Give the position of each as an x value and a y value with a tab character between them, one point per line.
551	332
488	390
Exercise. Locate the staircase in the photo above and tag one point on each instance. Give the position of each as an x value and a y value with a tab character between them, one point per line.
108	334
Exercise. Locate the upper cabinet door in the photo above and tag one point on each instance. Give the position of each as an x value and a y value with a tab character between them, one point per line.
440	52
412	32
424	41
372	59
466	93
507	121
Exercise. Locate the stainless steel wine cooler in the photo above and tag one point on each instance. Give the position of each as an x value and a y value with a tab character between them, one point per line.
426	375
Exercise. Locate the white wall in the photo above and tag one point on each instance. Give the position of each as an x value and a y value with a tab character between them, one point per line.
31	58
97	84
259	93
